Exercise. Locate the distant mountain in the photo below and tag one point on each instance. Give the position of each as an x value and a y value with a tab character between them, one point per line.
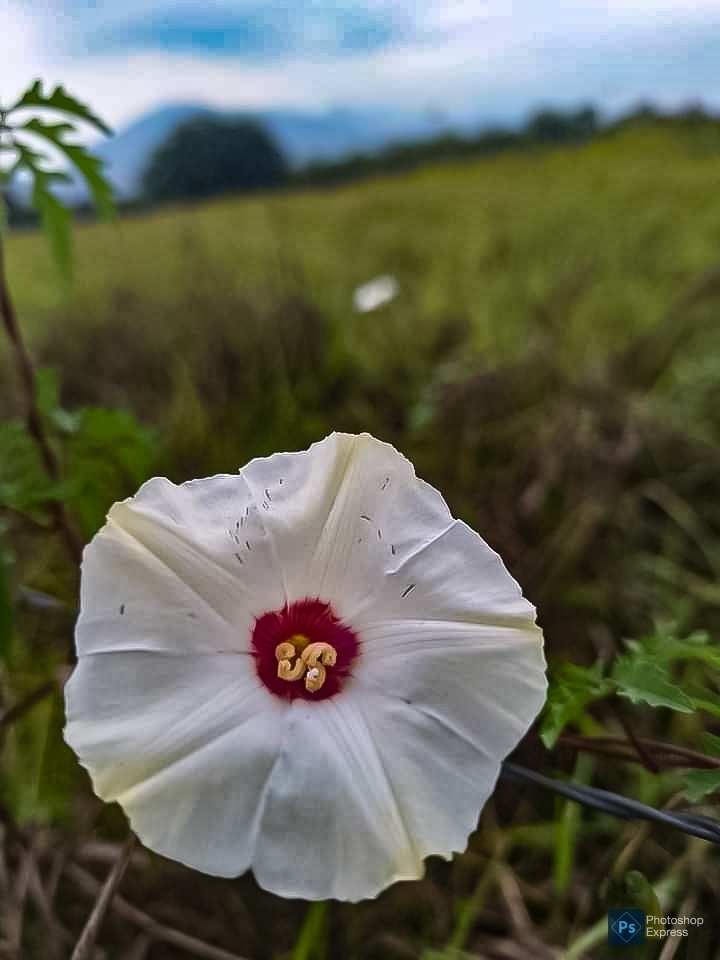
303	137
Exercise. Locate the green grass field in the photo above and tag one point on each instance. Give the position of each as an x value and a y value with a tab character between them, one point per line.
551	363
601	238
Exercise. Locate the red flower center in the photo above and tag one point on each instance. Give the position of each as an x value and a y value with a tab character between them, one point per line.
303	650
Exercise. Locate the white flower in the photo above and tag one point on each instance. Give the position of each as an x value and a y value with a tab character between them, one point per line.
308	669
374	294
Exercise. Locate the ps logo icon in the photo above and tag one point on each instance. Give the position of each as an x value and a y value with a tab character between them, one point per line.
626	927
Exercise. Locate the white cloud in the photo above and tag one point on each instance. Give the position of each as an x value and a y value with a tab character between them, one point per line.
492	55
22	54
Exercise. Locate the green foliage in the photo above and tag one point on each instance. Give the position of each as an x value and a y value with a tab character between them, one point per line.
48	400
108	456
58	100
56	219
24	485
311	941
6	624
642	680
642	676
701	783
211	155
572	690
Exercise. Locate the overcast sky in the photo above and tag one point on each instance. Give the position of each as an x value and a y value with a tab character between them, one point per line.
499	57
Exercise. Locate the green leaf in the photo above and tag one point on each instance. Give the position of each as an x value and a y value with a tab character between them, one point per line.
700	783
6	626
645	681
88	165
56	221
571	690
107	458
24	485
58	100
712	744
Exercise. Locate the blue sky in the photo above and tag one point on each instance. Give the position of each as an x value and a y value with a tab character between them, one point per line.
502	58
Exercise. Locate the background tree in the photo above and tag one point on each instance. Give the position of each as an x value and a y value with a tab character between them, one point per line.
212	155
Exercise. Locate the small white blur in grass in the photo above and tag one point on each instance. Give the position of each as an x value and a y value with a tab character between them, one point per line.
375	294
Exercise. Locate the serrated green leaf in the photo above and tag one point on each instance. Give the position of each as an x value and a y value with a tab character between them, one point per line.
645	681
571	690
700	783
57	223
107	458
58	100
89	166
6	625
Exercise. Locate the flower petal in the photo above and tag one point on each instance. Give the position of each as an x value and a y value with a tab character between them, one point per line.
178	569
331	824
443	748
342	514
456	578
184	744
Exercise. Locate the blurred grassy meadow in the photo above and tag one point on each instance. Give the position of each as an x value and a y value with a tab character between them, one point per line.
551	363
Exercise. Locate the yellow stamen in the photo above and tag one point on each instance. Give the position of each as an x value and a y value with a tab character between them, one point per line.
315	678
313	657
283	651
319	653
286	671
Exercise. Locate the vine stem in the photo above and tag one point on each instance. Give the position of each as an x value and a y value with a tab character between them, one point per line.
33	419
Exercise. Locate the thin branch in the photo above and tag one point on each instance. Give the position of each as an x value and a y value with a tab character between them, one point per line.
140	947
667	753
86	944
156	931
56	932
19	709
672	943
33	418
16	906
645	758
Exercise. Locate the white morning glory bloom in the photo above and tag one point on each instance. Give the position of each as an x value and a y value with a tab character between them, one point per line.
375	293
308	668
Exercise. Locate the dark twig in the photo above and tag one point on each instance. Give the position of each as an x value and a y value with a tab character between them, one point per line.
56	932
33	419
156	931
612	803
645	758
666	754
86	944
19	709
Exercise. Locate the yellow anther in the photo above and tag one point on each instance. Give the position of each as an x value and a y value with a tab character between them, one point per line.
318	653
284	651
286	671
313	658
315	678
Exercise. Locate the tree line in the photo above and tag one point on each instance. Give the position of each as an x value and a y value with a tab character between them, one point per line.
212	155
